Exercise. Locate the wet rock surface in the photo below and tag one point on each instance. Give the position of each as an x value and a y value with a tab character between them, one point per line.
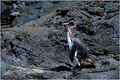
38	49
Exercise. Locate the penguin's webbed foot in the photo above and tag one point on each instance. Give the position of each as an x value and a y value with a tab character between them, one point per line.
76	69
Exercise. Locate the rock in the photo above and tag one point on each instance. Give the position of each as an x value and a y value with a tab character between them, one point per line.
9	2
111	7
22	73
37	10
22	49
104	75
23	19
110	15
4	8
114	22
61	12
96	11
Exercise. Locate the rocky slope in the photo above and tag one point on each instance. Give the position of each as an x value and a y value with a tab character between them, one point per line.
38	49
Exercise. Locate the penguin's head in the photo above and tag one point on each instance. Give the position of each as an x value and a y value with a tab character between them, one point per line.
69	23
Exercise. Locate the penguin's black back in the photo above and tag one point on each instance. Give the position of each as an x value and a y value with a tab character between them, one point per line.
81	51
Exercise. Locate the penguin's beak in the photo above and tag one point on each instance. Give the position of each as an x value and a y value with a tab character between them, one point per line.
65	24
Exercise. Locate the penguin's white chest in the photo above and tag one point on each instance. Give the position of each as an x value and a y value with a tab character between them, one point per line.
76	61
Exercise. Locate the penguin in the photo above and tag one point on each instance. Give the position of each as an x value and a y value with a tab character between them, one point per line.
78	52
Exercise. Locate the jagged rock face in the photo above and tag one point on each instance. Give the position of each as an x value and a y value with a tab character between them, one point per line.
98	33
30	52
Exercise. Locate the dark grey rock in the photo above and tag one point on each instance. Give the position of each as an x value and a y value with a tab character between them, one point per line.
3	7
110	15
24	19
96	11
111	7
